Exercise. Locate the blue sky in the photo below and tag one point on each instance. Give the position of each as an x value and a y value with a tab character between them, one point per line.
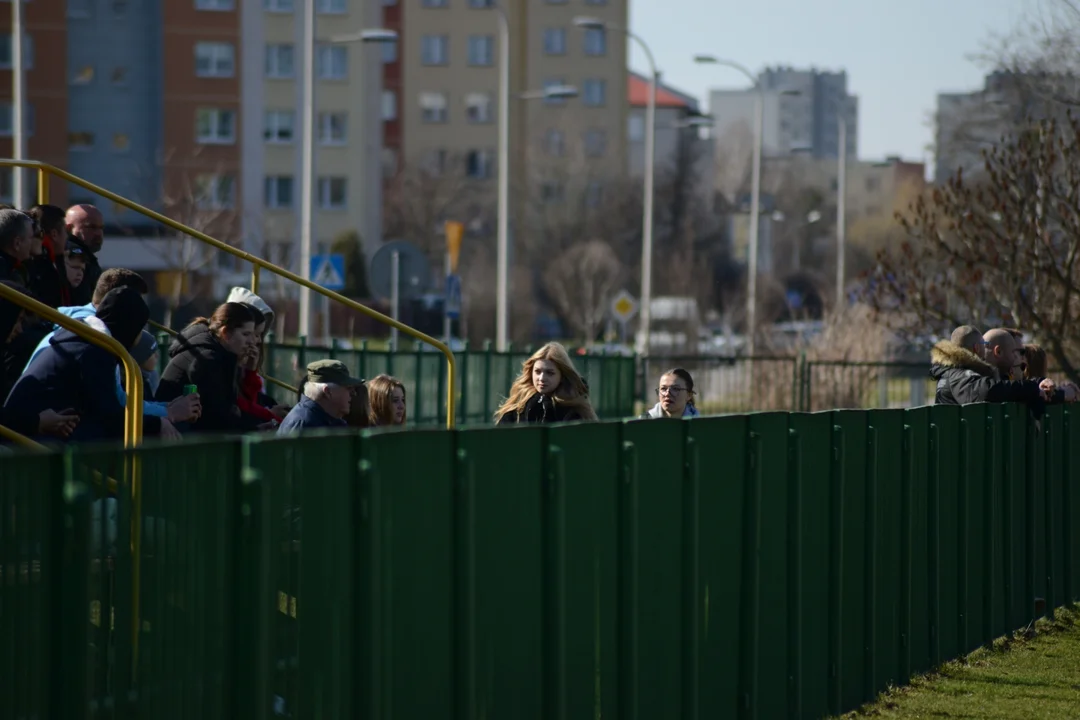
898	55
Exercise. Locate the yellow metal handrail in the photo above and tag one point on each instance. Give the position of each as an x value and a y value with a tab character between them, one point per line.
267	378
258	264
133	412
20	439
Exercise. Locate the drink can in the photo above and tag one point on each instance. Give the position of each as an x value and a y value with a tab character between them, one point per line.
191	389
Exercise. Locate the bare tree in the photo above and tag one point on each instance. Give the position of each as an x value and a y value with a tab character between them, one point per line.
1002	251
581	282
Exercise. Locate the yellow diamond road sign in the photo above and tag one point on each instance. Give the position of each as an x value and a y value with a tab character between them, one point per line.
624	307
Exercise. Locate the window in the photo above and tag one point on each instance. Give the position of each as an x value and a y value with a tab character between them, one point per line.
596	2
551	192
433	107
332	192
78	8
80	140
556	2
278	126
118	76
873	184
478	107
389	105
435	49
332	62
85	76
281	6
481	3
554	83
332	128
121	142
555	143
555	41
332	7
5	119
434	3
278	191
594	194
389	52
479	164
214	126
120	8
595	42
215	60
594	92
635	128
481	50
595	143
215	192
279	60
5	51
215	5
434	161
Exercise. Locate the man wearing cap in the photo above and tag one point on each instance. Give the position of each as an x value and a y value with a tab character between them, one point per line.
328	392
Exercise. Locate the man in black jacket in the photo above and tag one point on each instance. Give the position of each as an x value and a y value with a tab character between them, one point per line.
963	377
16	231
46	268
74	373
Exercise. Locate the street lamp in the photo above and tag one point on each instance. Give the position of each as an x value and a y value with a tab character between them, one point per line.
307	147
592	23
755	194
841	211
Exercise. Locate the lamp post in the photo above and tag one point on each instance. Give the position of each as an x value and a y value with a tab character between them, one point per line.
755	195
307	146
841	212
592	23
502	246
18	101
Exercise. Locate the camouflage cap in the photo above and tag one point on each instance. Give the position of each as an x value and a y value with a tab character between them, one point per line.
331	371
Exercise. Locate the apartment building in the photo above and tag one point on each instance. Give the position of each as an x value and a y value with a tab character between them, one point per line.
803	110
448	93
192	107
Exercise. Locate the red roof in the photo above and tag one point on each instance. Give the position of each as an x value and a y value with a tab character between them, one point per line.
638	91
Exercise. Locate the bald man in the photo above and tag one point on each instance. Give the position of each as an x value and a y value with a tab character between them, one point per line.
963	377
86	232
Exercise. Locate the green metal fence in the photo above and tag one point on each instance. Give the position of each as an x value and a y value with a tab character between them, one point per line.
751	566
484	378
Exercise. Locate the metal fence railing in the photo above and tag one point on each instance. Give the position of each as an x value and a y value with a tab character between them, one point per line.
484	377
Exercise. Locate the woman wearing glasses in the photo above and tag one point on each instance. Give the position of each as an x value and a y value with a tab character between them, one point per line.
676	396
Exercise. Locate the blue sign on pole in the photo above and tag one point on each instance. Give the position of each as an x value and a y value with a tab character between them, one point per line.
328	271
453	296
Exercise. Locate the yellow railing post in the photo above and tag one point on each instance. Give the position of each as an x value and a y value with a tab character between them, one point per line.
255	270
42	186
20	439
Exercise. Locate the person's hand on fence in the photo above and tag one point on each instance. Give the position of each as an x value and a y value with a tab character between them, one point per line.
1048	387
186	408
1072	392
57	424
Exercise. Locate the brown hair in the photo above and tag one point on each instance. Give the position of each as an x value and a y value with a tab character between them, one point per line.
379	389
1034	361
228	316
572	392
360	408
118	277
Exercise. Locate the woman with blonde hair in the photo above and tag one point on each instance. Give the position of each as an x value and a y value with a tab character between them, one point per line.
548	390
386	397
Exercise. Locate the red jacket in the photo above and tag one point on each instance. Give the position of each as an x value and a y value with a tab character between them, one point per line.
248	401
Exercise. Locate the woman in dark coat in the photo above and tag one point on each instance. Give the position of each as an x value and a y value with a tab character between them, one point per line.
206	354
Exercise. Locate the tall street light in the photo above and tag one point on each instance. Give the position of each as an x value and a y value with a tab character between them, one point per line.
841	211
755	195
18	115
592	23
307	146
502	246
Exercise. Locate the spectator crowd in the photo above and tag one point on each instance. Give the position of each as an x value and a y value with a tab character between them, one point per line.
58	385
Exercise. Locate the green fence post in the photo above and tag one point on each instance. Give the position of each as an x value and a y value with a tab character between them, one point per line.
487	378
794	574
1048	516
870	616
418	393
363	357
1066	504
836	550
440	397
302	353
70	596
934	524
751	591
962	539
904	621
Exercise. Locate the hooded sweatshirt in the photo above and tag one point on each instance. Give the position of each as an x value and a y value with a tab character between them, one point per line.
198	358
84	312
245	296
658	412
75	373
